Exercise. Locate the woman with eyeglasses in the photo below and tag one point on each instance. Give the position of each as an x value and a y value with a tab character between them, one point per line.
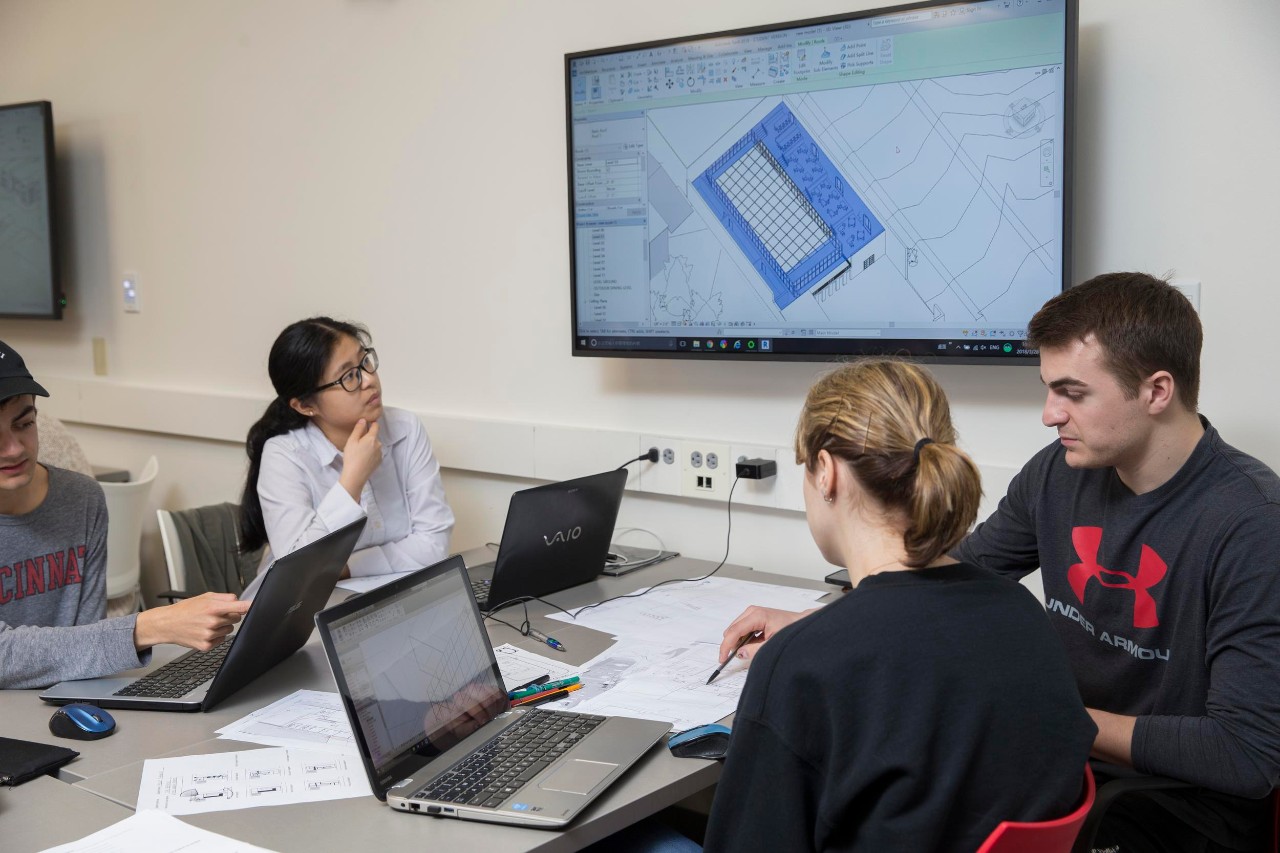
327	452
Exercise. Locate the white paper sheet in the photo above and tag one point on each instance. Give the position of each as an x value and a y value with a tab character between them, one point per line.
308	719
195	784
668	642
368	582
696	611
520	666
155	832
656	681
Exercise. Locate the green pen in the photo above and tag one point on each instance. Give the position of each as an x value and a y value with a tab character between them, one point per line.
542	688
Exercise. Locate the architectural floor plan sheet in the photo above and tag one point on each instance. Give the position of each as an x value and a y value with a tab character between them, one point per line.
668	644
308	719
195	784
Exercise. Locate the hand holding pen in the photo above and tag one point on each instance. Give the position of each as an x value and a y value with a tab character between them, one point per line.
746	638
759	624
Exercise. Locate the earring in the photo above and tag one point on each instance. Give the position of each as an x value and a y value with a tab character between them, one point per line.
829	498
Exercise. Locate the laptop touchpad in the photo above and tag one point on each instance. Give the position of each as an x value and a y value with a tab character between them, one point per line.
577	776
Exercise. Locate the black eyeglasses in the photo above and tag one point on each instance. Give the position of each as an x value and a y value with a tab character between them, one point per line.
354	378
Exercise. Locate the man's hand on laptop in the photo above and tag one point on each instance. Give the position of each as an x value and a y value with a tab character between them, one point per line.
197	623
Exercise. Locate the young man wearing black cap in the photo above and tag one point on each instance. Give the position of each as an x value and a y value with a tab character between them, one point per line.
53	566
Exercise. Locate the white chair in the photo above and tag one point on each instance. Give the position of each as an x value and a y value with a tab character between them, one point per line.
173	559
126	505
202	551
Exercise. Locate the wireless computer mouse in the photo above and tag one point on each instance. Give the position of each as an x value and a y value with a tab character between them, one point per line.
710	741
81	721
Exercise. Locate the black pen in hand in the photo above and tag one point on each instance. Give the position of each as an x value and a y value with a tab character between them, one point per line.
746	639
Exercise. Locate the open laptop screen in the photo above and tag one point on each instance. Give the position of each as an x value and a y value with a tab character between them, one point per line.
419	671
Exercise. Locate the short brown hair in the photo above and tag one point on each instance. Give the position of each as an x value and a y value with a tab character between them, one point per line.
870	415
1143	324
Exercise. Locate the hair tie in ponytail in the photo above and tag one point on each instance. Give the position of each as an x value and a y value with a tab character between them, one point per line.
920	444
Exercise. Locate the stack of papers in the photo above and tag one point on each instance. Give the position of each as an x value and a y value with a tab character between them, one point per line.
668	644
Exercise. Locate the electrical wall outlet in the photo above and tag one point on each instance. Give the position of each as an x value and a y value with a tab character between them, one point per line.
661	477
132	299
753	492
705	469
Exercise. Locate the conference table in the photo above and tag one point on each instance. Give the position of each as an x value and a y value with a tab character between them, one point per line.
101	786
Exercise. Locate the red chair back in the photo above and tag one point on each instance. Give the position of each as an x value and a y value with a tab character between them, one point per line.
1050	836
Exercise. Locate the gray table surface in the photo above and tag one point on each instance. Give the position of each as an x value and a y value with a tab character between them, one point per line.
111	769
46	812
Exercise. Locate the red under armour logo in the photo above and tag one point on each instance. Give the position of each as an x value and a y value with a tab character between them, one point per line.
1151	570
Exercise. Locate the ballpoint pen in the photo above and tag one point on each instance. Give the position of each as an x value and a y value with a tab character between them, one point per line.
550	641
745	639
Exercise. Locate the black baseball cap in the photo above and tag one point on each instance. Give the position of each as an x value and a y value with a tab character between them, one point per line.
15	379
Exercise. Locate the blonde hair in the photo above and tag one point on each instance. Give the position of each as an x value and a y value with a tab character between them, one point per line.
874	416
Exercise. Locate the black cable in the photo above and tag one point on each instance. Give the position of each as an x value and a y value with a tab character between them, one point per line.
523	599
524	628
650	455
719	566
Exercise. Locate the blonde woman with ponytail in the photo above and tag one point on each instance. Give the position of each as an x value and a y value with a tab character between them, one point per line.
932	701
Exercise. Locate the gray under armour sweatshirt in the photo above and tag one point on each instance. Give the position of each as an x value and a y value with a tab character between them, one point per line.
53	590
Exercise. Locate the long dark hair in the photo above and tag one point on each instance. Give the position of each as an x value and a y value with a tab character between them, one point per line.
296	366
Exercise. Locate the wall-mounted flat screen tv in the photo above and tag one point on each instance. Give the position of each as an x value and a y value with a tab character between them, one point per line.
893	181
29	284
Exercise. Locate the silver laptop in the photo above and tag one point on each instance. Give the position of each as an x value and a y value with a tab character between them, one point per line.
430	714
276	626
556	536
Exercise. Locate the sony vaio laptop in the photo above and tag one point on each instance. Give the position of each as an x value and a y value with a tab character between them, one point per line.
556	536
276	626
429	711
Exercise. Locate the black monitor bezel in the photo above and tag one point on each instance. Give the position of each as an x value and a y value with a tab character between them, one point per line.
825	349
57	298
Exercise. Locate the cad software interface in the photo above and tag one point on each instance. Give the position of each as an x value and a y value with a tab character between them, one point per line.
893	177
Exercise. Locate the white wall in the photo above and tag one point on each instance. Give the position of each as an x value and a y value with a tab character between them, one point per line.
402	162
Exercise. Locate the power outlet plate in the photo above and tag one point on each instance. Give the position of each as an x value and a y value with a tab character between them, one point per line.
753	492
706	470
661	477
129	288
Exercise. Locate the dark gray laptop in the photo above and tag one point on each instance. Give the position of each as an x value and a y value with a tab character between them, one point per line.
556	536
276	626
430	714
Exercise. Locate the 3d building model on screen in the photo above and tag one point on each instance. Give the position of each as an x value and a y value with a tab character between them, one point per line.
787	206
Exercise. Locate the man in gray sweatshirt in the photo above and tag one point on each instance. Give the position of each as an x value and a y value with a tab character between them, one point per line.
53	565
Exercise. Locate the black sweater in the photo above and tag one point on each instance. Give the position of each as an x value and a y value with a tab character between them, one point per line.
1168	604
915	713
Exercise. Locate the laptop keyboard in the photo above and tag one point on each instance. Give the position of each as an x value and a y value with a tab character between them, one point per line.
495	771
480	589
179	677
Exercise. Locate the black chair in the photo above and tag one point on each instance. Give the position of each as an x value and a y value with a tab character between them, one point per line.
1126	780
